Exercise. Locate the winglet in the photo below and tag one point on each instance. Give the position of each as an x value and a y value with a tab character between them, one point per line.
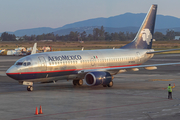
34	49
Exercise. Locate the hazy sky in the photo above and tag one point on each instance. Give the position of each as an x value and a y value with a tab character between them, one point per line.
24	14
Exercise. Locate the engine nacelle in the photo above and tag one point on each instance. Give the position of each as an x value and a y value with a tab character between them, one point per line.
98	78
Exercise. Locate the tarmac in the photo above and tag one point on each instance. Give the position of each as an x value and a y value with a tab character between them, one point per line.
135	96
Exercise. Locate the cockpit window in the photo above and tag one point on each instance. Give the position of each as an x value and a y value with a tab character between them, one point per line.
26	63
19	63
23	63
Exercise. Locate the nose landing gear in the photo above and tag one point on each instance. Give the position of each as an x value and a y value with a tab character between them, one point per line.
29	88
29	85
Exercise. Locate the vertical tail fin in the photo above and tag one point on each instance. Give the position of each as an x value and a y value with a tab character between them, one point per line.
34	49
143	39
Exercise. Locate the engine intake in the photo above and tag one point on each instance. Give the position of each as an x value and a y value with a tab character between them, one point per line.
98	78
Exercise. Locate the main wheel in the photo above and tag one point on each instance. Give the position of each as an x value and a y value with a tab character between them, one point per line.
80	82
110	84
75	83
104	85
29	88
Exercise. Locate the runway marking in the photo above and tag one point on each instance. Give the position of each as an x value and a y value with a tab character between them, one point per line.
124	94
166	110
3	75
161	80
90	110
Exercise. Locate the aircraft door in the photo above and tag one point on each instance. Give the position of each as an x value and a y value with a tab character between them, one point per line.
92	59
92	62
43	63
138	56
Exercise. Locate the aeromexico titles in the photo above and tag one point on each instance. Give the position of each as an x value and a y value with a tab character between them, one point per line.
95	67
64	57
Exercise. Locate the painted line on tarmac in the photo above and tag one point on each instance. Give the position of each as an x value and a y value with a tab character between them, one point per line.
161	80
90	110
126	94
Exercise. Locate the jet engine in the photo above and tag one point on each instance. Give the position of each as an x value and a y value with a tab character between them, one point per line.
98	78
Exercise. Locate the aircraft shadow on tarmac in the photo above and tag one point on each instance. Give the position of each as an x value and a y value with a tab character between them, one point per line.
135	85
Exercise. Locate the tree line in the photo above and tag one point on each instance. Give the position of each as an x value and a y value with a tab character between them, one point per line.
97	35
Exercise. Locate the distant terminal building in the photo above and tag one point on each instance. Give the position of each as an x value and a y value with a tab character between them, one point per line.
47	40
81	41
177	38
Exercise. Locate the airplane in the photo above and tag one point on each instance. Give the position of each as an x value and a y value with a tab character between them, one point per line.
96	67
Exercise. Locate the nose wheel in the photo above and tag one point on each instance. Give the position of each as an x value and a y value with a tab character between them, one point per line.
29	88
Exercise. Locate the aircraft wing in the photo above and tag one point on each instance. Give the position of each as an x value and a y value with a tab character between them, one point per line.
126	68
143	66
162	51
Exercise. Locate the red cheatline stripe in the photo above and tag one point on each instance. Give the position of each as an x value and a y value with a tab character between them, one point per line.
69	70
41	72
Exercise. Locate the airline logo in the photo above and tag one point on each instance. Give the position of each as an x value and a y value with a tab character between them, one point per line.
64	57
146	35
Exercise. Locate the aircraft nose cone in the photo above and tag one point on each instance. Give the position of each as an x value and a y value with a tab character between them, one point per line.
12	72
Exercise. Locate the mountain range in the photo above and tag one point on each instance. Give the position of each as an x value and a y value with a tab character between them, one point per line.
128	22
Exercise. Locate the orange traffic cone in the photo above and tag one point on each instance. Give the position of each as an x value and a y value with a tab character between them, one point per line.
40	110
36	112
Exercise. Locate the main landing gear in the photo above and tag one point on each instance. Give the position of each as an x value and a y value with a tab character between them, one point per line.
109	85
78	82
